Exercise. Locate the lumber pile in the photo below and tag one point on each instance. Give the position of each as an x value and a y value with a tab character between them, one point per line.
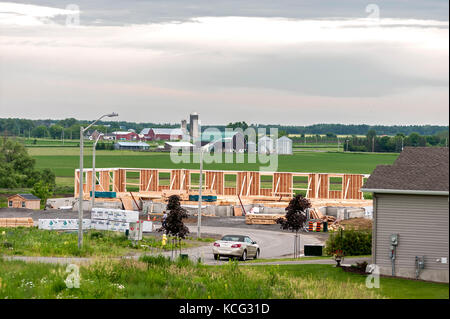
16	222
262	219
314	213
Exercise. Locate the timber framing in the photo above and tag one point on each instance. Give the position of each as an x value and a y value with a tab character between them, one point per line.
245	184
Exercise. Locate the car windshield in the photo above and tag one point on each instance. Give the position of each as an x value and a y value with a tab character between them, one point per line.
233	238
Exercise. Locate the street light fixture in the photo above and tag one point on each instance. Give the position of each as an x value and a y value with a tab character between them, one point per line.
80	204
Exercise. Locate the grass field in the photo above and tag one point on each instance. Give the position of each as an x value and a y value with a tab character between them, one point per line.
158	277
37	242
63	161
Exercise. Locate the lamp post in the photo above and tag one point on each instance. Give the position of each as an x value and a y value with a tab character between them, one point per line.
80	203
93	171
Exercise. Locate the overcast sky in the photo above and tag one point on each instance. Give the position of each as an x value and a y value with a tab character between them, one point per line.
279	62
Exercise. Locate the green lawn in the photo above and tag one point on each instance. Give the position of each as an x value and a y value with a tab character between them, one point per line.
37	242
64	161
392	288
157	277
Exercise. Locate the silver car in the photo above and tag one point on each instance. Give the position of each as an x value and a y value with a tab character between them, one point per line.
236	246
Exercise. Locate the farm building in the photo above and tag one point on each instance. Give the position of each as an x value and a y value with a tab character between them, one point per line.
162	134
24	201
265	145
125	136
284	146
411	212
230	141
134	146
178	146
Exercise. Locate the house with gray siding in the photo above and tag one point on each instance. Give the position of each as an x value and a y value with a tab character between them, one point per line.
411	213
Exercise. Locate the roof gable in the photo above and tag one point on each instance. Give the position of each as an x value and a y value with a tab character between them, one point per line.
25	196
416	169
167	131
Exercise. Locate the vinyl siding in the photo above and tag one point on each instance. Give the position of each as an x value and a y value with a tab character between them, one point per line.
422	224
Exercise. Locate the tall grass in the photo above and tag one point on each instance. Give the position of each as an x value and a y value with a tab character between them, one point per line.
158	277
38	242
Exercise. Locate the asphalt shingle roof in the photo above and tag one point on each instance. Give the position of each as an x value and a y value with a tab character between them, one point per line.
29	196
417	168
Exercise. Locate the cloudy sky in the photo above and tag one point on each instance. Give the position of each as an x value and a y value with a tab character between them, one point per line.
281	62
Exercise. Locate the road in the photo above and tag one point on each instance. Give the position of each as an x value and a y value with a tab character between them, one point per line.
273	242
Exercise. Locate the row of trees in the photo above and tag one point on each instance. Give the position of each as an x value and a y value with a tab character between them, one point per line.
70	127
374	143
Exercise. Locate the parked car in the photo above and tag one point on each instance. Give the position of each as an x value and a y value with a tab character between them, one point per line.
236	246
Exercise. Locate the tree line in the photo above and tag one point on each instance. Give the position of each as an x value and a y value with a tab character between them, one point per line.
374	143
70	128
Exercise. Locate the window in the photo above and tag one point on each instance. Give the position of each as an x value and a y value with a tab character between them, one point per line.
23	204
335	184
266	181
230	180
164	179
10	203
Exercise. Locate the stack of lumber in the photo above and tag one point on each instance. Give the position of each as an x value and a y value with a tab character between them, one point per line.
315	214
262	219
16	222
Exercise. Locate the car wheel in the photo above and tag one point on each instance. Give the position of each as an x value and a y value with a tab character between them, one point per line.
216	256
244	255
257	254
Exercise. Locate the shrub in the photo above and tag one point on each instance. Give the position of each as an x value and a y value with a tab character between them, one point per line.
351	242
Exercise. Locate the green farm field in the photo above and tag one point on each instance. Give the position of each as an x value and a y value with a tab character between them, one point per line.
63	161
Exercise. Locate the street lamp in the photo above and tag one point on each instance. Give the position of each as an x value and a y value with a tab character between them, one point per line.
93	171
80	204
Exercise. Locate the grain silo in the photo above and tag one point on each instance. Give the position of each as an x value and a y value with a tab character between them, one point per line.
265	145
284	146
193	126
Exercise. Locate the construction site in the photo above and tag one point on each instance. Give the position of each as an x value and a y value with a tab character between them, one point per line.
259	196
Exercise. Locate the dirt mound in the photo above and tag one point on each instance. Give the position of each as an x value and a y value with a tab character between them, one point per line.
357	223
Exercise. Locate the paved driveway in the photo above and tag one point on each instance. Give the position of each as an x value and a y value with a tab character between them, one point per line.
273	244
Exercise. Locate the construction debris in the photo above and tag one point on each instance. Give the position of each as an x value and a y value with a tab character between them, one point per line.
262	219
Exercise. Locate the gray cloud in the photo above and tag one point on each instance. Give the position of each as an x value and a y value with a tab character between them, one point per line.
367	76
119	12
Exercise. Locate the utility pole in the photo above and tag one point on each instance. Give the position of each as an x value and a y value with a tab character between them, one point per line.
373	144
